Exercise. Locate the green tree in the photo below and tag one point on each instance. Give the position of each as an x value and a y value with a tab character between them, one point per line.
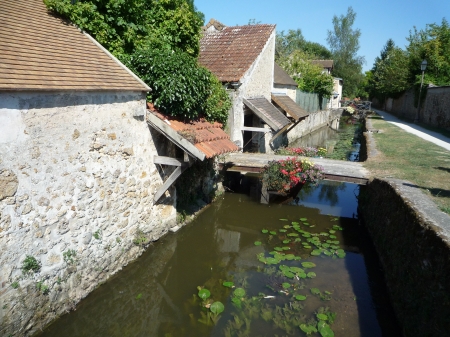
344	46
286	44
309	77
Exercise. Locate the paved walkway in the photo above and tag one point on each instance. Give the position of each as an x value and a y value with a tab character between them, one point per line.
428	135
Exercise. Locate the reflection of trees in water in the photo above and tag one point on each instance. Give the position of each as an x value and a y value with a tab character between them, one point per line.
328	192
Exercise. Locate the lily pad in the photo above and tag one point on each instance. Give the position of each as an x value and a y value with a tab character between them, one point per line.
204	293
332	231
286	241
308	265
273	232
306	235
297	240
315	291
228	284
264	231
302	275
217	308
288	274
286	285
322	317
290	257
333	236
239	292
257	243
308	329
286	248
311	274
325	330
236	302
292	234
296	270
278	249
284	219
300	297
282	230
303	219
286	226
307	247
316	252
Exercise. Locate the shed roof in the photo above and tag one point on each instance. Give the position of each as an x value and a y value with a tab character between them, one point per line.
281	77
230	52
267	112
207	137
39	51
323	63
287	104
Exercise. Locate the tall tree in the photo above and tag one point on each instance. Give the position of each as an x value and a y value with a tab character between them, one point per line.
344	46
286	44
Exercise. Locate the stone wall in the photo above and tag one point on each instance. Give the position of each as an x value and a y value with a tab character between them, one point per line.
77	181
412	239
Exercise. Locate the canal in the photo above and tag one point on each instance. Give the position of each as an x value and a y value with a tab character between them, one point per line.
304	267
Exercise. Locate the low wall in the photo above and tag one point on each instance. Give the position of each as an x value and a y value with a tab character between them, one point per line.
412	239
313	122
77	181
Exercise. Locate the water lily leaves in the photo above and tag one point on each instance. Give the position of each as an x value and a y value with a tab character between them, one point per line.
297	240
324	234
264	231
278	249
302	275
307	247
286	241
286	226
328	253
303	219
228	284
306	224
333	236
282	230
257	243
322	317
325	245
273	232
291	257
332	231
237	302
340	253
306	235
316	252
217	307
337	227
311	274
286	285
292	234
296	270
283	219
204	293
283	267
286	248
315	291
295	223
239	292
300	297
308	265
324	329
308	329
272	260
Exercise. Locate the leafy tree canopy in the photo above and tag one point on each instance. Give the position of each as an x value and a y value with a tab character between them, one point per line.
344	46
286	44
309	76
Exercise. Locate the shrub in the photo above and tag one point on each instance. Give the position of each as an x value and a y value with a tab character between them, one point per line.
302	151
30	264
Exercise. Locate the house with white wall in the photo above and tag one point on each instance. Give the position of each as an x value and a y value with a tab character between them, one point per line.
242	57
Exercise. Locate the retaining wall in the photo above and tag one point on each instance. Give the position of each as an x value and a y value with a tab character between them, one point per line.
412	239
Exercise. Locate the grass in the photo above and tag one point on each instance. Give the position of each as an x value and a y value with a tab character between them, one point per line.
408	157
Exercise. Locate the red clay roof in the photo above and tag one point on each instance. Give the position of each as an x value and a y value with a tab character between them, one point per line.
206	137
39	51
229	53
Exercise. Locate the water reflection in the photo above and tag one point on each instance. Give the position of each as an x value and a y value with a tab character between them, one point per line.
331	197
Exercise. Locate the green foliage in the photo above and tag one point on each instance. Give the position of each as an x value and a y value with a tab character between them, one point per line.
391	74
344	45
15	285
69	256
309	76
30	265
121	26
43	288
97	234
286	44
218	102
140	239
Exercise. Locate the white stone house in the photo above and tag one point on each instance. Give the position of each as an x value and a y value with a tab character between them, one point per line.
77	175
242	57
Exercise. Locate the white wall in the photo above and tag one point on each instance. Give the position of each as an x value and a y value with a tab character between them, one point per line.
82	166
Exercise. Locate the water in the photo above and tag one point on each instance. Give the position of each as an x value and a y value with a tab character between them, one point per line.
156	296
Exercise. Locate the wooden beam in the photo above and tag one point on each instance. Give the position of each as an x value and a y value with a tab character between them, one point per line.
279	133
248	128
168	161
259	114
172	178
170	133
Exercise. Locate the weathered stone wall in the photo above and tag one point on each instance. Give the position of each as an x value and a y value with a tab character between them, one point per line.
257	81
412	239
77	181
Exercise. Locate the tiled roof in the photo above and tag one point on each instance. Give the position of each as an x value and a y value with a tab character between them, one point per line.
287	104
39	51
267	112
207	137
229	53
213	25
323	63
280	76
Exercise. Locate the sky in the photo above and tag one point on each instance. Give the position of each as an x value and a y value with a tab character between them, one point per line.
378	20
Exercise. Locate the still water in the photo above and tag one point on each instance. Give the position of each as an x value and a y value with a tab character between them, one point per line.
261	250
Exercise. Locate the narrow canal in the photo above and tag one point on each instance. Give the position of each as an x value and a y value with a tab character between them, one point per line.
278	270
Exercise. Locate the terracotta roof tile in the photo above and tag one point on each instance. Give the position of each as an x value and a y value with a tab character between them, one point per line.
289	106
230	52
207	137
39	51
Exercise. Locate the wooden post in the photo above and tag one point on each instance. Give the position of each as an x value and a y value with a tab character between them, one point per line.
264	194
